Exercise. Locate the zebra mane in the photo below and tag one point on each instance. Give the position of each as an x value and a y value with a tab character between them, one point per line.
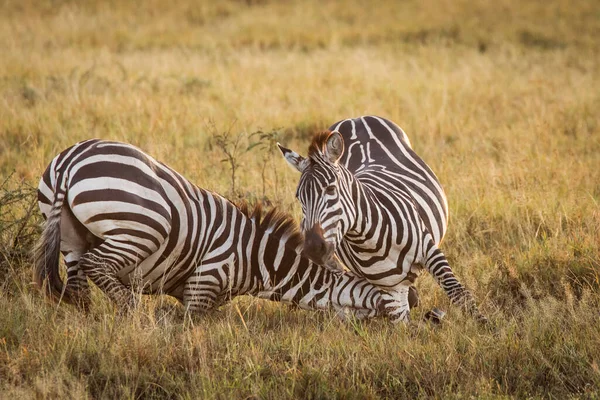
317	146
275	222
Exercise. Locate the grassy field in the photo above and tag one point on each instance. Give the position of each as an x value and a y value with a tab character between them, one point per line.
501	99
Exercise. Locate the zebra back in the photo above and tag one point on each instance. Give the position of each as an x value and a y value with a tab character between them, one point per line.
378	148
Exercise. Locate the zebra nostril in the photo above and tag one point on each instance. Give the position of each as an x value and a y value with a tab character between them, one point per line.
314	244
323	247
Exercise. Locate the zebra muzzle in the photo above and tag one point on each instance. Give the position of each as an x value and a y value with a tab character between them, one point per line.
315	247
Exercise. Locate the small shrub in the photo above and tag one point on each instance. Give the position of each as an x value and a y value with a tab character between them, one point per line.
19	228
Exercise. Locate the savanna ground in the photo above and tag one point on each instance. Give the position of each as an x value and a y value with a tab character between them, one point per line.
501	98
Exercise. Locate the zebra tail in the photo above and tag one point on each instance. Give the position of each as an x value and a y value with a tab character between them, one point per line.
47	253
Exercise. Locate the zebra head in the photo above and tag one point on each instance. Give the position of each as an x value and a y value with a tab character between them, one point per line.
322	192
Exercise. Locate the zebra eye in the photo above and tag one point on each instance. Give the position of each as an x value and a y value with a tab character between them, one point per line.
330	190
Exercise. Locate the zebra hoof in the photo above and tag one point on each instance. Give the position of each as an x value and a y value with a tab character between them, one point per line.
435	316
484	323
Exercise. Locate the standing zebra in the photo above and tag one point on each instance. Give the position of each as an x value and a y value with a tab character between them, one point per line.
130	223
367	197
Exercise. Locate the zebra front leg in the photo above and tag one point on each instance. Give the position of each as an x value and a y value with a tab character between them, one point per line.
437	264
203	292
398	299
346	313
396	303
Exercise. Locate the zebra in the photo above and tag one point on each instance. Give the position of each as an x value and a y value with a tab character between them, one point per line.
368	198
131	224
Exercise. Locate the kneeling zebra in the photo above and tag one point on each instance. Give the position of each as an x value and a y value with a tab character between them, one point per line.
129	223
367	197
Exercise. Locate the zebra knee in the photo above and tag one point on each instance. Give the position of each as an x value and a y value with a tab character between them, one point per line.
199	306
80	291
399	315
200	301
396	305
103	273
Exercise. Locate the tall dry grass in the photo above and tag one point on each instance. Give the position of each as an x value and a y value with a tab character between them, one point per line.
500	98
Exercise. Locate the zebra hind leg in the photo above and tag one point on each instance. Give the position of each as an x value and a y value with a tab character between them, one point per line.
102	265
77	283
437	264
75	241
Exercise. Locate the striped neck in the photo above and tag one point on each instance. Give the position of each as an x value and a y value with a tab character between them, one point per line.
285	275
360	205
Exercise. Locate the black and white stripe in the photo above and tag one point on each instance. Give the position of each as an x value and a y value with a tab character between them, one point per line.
130	223
368	197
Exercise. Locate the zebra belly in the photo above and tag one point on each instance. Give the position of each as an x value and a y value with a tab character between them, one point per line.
156	272
165	270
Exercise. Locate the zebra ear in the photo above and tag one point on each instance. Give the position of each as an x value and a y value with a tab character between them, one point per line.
334	147
293	158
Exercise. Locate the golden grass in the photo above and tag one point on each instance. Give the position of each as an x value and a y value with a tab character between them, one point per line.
500	98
